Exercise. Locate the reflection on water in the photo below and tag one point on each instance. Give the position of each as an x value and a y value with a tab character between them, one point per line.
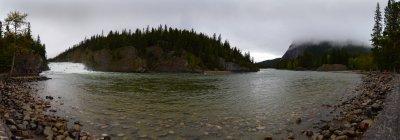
250	105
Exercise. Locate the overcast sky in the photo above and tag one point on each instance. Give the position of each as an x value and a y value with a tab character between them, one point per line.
266	28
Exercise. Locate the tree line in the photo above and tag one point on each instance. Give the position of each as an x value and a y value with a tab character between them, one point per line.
16	40
386	37
205	51
314	55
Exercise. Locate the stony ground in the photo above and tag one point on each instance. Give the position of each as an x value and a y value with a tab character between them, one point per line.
358	113
387	125
4	132
25	115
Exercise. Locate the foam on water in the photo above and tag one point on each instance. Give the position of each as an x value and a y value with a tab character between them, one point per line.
68	67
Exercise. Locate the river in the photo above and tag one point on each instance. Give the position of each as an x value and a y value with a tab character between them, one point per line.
193	106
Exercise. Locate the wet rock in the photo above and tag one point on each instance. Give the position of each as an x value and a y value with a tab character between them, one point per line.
260	127
49	97
77	127
10	122
50	137
13	128
333	137
58	125
120	135
25	134
326	133
350	133
48	131
290	136
319	137
60	137
344	137
309	133
22	126
39	130
171	132
107	138
32	126
298	120
268	138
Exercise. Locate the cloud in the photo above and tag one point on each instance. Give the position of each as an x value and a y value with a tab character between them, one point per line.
264	27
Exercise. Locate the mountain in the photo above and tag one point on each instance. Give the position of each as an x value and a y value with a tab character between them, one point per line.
320	54
158	50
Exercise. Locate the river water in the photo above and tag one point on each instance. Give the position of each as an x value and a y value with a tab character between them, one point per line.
193	106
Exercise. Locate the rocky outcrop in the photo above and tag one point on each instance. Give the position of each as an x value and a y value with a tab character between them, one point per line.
28	64
229	66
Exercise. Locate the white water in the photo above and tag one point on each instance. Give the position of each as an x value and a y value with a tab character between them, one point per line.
68	67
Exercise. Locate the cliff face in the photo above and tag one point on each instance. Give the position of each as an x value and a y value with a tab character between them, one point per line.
294	51
29	64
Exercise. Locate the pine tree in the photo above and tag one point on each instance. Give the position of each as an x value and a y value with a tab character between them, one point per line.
377	30
1	30
38	40
29	32
390	18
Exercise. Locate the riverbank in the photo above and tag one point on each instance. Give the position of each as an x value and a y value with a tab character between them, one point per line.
27	116
387	124
358	113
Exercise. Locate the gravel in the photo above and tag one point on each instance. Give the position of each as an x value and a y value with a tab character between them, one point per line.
387	124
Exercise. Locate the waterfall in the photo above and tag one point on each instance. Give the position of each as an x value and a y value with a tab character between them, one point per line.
67	67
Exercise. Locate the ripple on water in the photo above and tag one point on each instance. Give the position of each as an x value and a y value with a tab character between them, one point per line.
192	105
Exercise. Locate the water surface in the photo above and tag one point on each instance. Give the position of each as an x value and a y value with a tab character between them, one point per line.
190	106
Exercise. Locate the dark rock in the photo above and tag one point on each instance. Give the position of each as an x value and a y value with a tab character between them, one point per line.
49	97
107	138
298	120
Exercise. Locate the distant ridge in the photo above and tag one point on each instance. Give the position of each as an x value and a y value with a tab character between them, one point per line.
297	48
313	54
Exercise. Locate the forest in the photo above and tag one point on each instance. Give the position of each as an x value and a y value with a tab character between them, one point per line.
386	37
20	53
314	55
200	50
384	55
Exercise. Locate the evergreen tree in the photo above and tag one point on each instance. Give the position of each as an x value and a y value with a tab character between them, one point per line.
201	51
38	40
387	56
1	29
377	30
28	30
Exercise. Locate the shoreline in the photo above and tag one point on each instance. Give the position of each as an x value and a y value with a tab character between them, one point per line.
27	116
358	113
387	124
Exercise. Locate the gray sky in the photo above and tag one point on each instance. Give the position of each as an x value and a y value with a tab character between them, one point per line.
266	28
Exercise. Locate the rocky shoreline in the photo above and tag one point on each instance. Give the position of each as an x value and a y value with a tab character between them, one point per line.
27	116
358	113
